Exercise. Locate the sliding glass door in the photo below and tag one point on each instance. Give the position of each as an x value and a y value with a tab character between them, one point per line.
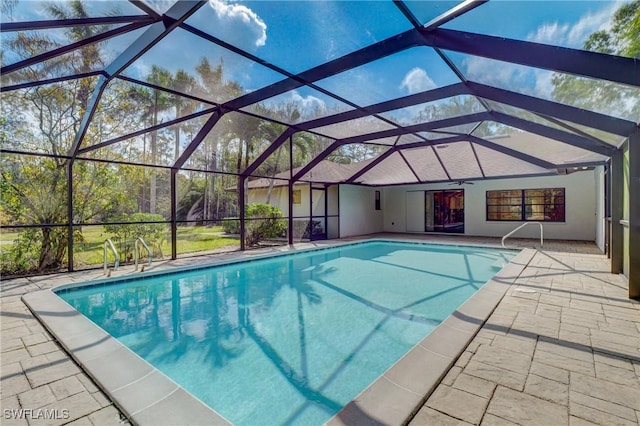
444	211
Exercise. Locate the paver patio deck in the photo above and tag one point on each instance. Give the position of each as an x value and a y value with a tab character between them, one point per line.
562	347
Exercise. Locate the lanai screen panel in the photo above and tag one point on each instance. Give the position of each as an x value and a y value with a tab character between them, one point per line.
144	107
435	110
610	138
556	23
404	73
357	127
298	105
537	146
140	97
296	36
425	164
161	147
496	164
344	162
459	160
63	65
392	170
48	40
50	128
425	12
609	98
210	71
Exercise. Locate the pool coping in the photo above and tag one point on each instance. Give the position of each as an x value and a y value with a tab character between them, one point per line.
147	396
138	389
397	395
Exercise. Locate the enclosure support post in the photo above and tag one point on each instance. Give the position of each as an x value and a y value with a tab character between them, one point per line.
326	211
70	216
290	220
634	215
174	212
242	210
616	182
310	225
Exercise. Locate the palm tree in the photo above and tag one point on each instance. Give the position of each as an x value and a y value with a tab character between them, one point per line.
161	101
185	83
58	109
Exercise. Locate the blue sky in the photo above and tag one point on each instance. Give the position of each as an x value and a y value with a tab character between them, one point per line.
297	35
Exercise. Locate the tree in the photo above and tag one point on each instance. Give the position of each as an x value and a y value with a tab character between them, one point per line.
263	222
46	119
447	108
160	102
624	36
622	39
216	202
184	83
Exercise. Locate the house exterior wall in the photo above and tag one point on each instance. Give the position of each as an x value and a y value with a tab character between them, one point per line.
401	211
358	215
279	198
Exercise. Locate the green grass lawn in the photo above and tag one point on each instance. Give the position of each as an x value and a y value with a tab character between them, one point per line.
6	238
190	239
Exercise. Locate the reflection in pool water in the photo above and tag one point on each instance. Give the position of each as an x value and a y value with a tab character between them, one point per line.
290	339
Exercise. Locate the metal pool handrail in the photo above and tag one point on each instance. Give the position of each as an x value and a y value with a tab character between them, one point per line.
136	251
109	244
522	226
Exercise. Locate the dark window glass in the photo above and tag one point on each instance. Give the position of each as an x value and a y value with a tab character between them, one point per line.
542	205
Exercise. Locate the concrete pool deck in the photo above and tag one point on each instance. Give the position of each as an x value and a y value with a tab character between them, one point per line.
563	346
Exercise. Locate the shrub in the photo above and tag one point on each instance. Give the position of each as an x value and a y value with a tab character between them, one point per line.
25	255
263	221
125	235
304	229
22	256
231	225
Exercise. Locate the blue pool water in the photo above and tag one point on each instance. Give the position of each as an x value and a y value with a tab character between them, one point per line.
289	339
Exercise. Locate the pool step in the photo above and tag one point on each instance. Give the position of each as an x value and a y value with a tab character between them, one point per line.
498	264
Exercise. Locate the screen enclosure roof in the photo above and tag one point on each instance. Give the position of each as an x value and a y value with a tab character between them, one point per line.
388	92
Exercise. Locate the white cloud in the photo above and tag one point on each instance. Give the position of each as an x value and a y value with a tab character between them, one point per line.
514	77
140	69
417	80
308	103
575	34
239	22
544	85
499	74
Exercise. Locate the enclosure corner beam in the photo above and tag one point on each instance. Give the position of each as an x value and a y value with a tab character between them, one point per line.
634	215
174	212
70	267
242	209
290	186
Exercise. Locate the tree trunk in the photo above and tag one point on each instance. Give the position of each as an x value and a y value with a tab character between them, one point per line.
154	158
239	167
211	191
142	199
50	254
275	171
153	184
177	132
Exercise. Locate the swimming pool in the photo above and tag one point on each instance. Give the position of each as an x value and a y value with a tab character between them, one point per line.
289	339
